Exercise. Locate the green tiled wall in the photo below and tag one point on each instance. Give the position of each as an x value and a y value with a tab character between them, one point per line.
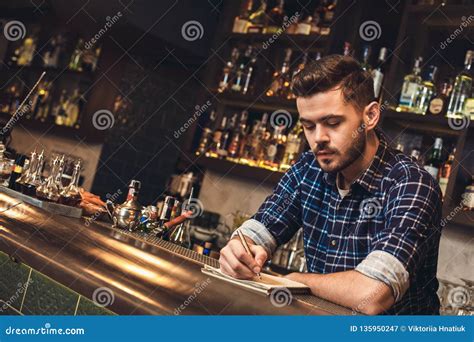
24	291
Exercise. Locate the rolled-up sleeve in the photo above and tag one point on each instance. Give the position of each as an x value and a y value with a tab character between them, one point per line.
411	226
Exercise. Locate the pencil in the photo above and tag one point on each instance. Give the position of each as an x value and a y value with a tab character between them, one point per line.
246	246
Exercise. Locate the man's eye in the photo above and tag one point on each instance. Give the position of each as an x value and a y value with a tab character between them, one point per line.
333	123
308	127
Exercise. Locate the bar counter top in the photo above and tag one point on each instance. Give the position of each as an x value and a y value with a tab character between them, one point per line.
144	275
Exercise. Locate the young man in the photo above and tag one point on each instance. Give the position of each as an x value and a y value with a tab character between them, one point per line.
370	215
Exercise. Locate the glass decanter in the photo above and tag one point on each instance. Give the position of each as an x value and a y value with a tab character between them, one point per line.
70	195
34	178
48	190
29	165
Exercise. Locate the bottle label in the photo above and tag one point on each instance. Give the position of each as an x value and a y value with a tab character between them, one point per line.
271	151
443	184
409	91
433	171
436	105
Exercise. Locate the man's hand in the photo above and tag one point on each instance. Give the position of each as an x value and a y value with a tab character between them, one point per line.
235	261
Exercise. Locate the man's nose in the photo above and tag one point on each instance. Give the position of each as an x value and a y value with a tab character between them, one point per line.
320	136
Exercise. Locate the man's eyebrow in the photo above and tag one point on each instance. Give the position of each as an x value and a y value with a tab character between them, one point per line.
324	118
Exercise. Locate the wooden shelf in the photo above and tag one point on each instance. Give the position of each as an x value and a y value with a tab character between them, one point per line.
427	123
229	168
50	72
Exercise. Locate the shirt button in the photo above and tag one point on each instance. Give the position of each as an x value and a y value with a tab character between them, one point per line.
333	242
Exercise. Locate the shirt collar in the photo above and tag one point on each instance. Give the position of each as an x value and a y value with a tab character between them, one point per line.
371	177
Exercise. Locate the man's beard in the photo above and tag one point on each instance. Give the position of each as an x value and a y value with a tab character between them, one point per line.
355	150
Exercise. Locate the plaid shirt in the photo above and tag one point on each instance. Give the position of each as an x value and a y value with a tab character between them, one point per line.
386	227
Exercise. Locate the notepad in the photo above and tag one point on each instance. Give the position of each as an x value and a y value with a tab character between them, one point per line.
266	284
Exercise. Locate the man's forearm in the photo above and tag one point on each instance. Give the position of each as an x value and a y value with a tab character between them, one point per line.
350	289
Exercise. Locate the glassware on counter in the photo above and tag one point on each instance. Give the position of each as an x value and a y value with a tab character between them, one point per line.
70	195
49	190
6	168
33	178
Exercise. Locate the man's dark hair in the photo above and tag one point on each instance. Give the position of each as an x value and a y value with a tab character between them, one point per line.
333	71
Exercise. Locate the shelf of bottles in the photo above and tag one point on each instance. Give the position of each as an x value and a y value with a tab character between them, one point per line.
258	19
268	142
59	98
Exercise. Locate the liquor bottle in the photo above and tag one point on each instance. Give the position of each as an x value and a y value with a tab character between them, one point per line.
300	67
378	73
76	58
242	63
249	75
275	148
206	136
281	78
439	103
17	171
241	22
73	108
316	23
250	145
433	163
216	138
326	13
227	71
411	88
258	19
415	154
165	216
26	52
263	138
304	26
59	110
293	146
52	51
462	88
276	17
427	90
347	50
238	137
445	172
365	58
226	137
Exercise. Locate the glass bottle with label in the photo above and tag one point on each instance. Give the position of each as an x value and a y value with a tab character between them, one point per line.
378	73
241	22
227	72
226	137
433	162
216	138
293	145
281	78
462	88
258	19
445	172
439	103
276	17
365	58
300	67
411	88
237	137
206	136
427	90
243	62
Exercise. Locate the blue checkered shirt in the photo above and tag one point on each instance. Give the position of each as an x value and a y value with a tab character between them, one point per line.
387	226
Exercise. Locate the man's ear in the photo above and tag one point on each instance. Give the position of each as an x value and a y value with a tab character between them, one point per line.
371	115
